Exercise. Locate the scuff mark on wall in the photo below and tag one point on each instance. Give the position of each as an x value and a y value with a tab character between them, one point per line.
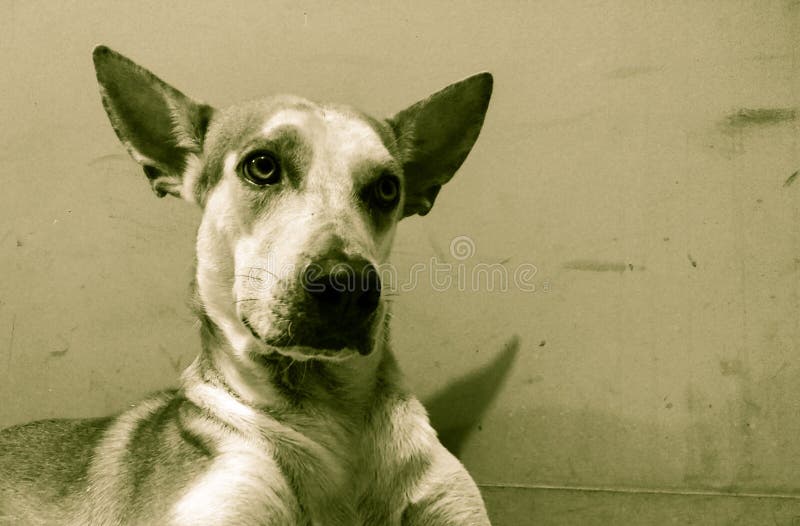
174	362
703	467
59	353
107	158
730	367
769	57
11	343
779	371
567	120
591	265
66	345
746	117
436	246
792	178
626	72
724	461
736	124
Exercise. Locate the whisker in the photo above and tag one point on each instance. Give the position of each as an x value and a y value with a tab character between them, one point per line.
261	269
248	276
286	370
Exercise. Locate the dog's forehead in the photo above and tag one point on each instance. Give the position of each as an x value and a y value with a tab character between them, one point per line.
330	124
332	130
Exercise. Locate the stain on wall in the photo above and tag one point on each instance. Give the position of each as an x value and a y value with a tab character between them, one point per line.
760	117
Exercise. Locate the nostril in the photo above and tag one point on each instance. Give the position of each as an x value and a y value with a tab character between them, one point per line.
323	287
370	293
327	293
368	301
345	289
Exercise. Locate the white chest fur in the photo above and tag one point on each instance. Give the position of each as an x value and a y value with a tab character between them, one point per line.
243	485
316	473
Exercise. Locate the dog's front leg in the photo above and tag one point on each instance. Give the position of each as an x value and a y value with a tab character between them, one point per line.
446	496
238	490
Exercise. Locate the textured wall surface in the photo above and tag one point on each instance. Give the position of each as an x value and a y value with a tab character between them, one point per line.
639	155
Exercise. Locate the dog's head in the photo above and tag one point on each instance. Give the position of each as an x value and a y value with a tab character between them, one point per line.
300	199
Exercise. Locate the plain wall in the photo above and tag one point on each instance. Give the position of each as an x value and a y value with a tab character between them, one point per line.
636	153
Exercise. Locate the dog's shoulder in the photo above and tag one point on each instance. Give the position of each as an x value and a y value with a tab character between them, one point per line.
118	459
43	464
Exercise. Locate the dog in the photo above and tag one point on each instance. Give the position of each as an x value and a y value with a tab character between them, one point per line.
294	412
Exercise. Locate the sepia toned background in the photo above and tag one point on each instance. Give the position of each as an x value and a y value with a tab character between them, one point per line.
638	154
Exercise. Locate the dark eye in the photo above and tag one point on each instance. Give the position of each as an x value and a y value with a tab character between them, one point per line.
261	168
386	191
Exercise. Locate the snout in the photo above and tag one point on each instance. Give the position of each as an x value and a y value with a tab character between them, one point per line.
332	304
335	306
345	291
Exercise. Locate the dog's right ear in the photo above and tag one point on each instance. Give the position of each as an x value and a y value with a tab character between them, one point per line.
159	125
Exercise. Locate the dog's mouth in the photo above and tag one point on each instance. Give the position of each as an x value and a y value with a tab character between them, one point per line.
330	311
316	342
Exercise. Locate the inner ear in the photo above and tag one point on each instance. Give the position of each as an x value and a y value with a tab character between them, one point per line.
159	125
436	134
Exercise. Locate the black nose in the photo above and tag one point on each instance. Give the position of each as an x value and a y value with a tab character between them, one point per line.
348	289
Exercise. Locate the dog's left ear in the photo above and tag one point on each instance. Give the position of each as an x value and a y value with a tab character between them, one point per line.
159	125
436	134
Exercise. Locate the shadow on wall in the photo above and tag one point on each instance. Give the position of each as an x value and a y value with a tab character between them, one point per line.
456	410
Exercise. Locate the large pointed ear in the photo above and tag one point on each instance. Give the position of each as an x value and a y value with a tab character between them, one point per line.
159	125
436	134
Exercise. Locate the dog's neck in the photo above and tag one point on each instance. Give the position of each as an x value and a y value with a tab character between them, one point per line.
276	382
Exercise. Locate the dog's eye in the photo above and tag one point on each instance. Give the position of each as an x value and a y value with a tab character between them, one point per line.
386	191
262	169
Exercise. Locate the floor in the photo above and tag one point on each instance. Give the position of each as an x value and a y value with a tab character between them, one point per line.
519	506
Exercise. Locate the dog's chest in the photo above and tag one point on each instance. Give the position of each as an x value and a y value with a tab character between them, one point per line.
381	467
312	469
359	478
341	480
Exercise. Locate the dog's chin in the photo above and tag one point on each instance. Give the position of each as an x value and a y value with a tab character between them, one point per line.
329	348
302	353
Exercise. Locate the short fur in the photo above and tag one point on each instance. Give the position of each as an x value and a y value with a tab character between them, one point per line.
292	413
